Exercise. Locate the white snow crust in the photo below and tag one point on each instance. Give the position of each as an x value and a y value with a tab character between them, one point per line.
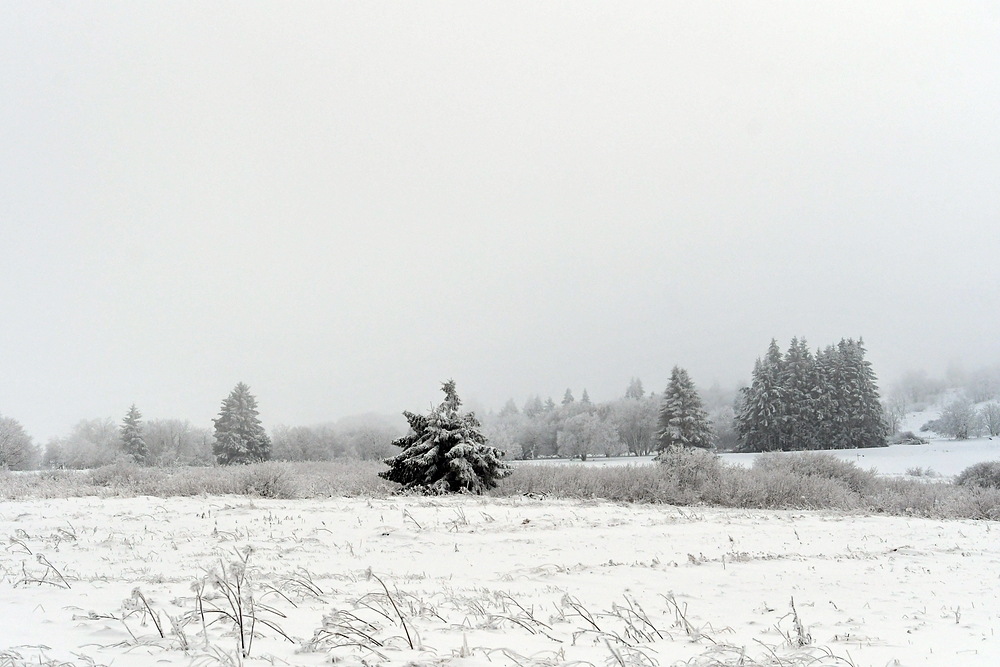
498	581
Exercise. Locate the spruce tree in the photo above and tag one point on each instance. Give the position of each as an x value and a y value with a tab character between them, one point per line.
133	442
239	435
568	397
797	380
585	399
683	421
445	451
865	419
760	421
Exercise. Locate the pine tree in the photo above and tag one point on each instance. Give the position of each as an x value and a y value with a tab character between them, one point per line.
239	436
683	420
445	451
585	399
133	443
568	397
761	418
550	405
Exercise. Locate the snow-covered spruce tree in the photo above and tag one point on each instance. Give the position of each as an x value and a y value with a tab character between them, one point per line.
760	419
859	398
683	421
800	395
239	436
133	442
445	452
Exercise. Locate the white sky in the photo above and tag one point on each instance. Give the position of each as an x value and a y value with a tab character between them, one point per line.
345	204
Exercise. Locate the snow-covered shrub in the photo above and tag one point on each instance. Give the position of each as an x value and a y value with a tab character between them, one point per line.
985	474
445	452
266	480
690	468
818	464
907	438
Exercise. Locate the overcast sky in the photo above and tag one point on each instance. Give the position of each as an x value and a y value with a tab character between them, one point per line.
345	204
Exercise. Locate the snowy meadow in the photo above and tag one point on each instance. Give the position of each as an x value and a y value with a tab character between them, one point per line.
305	565
488	581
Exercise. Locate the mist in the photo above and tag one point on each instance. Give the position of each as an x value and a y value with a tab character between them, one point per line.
344	205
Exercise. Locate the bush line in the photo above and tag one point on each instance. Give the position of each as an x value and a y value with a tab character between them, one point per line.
810	480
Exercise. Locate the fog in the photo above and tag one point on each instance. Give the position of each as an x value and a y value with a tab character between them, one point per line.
345	204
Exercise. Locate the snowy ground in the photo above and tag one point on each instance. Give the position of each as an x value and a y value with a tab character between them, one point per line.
492	582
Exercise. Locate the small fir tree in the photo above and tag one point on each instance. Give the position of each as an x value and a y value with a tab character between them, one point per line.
445	451
683	421
133	442
239	435
568	397
585	398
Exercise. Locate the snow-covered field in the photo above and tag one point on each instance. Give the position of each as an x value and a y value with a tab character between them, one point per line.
491	582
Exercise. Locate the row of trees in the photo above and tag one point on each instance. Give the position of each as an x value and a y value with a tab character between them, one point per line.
238	436
796	401
634	425
829	400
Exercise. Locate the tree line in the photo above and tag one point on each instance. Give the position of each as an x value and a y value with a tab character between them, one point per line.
796	400
237	436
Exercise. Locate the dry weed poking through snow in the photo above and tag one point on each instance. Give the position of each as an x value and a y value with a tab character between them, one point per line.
487	581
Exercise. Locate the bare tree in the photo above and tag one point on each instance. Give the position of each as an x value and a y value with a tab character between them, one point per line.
959	420
990	414
91	443
17	450
587	434
894	410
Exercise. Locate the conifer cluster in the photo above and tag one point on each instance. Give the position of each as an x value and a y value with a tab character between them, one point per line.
800	401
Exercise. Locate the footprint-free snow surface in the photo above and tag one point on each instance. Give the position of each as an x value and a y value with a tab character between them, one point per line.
470	581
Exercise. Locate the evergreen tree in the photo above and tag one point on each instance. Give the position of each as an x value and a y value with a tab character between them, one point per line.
239	435
635	389
683	420
830	410
585	399
550	405
760	421
445	451
865	418
799	391
132	439
568	397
